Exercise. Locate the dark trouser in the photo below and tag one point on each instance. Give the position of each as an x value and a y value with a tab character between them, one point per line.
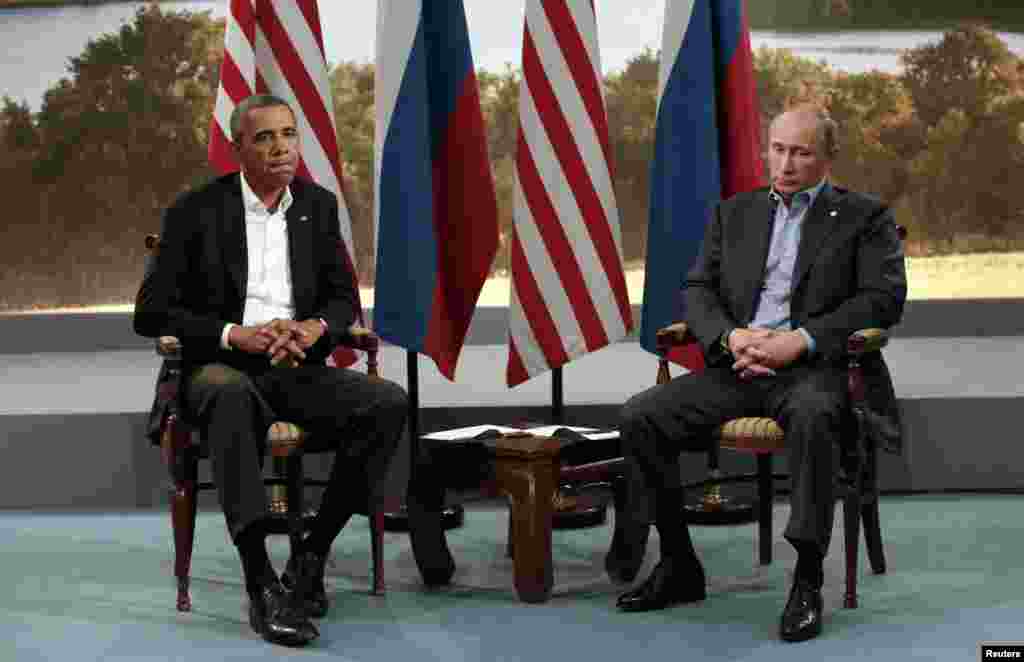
808	401
361	419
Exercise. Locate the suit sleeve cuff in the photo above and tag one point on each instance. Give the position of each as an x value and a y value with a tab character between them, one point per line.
224	344
810	341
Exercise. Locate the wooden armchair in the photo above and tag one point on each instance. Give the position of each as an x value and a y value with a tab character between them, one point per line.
763	438
181	450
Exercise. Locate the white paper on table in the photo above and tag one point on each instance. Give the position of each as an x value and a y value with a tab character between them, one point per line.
468	433
548	430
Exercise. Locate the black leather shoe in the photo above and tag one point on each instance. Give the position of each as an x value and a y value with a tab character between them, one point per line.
274	616
801	619
313	593
670	583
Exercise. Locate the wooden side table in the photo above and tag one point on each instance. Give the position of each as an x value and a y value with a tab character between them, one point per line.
522	466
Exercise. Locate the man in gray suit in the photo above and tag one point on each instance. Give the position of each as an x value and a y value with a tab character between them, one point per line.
784	275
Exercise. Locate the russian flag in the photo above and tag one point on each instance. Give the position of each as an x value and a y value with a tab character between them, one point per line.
437	214
707	147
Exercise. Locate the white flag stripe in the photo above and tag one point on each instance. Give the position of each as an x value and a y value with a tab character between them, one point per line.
521	333
568	212
579	318
304	42
677	21
586	25
556	300
222	111
397	22
236	43
580	123
313	152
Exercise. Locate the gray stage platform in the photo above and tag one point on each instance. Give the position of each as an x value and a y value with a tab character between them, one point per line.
71	422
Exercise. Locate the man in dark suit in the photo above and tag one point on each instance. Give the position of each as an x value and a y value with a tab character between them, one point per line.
784	275
250	278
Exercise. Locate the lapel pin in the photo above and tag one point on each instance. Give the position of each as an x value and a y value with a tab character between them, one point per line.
833	213
306	218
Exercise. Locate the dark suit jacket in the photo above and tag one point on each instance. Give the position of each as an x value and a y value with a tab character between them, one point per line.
849	275
199	280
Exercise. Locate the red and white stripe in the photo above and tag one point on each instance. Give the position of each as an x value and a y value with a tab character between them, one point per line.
276	47
568	286
237	81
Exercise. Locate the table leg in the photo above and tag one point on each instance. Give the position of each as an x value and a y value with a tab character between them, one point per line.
530	482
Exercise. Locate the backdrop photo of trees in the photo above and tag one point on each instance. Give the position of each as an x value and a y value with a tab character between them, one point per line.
125	132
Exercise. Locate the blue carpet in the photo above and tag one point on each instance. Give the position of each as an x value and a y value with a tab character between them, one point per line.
100	587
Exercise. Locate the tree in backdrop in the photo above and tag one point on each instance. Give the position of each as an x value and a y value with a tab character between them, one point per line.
879	133
499	103
126	131
632	98
352	89
968	93
118	139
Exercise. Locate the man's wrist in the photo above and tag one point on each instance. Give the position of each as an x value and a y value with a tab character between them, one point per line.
225	336
724	341
808	340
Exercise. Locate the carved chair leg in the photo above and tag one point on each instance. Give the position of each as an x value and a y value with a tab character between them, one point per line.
377	547
183	524
765	500
873	536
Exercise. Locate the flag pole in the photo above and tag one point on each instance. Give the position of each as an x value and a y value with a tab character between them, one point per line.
451	516
557	397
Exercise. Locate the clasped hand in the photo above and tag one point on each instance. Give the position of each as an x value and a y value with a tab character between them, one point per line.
760	352
280	339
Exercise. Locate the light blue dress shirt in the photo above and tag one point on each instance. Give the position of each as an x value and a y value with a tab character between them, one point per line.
773	305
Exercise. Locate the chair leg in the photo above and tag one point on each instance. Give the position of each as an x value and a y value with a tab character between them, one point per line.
765	500
183	524
377	547
851	533
873	536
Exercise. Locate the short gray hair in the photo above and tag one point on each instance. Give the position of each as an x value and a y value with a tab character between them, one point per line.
827	129
249	103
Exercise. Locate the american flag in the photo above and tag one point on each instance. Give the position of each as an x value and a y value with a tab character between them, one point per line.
277	47
568	286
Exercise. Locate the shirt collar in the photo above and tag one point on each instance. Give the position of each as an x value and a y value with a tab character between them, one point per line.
806	196
253	203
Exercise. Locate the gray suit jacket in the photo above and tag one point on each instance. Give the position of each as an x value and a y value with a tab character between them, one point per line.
849	275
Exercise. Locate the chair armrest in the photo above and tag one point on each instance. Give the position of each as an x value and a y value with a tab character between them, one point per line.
866	341
673	335
168	347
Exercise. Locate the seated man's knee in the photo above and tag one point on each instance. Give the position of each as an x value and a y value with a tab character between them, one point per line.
392	398
816	407
221	378
636	411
